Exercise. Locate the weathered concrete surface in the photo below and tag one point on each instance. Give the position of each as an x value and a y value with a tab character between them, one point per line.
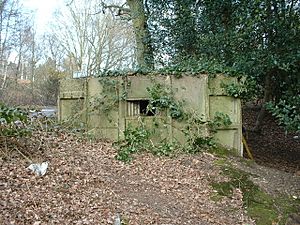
71	100
199	95
219	102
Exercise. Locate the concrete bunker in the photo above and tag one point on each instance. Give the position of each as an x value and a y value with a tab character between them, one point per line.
106	106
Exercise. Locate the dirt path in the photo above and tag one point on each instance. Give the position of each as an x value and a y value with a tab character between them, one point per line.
86	185
273	181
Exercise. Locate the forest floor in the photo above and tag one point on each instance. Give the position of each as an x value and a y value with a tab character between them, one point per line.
85	184
272	147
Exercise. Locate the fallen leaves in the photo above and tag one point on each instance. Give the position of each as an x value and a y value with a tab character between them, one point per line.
84	184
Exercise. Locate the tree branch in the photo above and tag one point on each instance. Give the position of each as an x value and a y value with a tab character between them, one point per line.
70	3
121	9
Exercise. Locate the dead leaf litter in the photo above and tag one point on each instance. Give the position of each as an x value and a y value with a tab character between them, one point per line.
85	184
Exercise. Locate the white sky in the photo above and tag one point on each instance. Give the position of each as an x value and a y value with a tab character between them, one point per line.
44	10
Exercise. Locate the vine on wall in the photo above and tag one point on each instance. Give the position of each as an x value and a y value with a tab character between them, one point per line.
198	132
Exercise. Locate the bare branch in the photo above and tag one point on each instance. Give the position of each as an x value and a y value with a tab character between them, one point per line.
70	3
121	9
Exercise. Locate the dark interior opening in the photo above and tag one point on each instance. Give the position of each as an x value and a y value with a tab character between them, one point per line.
143	108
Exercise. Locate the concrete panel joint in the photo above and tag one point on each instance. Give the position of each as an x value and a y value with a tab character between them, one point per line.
200	94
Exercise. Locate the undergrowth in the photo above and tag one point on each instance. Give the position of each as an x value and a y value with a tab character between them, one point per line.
141	138
13	122
197	130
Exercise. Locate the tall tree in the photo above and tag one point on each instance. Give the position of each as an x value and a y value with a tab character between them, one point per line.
137	12
9	26
144	51
92	40
258	38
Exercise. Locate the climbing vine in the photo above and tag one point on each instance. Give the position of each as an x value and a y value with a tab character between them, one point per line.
162	98
138	139
113	91
244	89
200	133
197	129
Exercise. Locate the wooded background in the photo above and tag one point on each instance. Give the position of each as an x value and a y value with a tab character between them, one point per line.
256	40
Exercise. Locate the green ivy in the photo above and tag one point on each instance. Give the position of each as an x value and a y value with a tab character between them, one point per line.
8	118
198	131
245	90
287	112
113	91
138	139
195	127
220	120
162	98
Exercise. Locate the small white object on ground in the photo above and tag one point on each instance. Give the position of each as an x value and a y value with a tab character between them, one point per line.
117	220
39	169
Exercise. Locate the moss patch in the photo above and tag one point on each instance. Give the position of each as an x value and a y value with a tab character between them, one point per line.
222	152
264	208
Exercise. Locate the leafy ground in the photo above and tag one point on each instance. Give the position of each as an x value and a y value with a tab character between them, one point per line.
86	185
272	147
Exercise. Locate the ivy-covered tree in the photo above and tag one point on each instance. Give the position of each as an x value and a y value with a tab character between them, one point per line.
257	38
136	12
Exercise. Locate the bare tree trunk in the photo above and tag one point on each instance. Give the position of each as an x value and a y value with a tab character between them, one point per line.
32	68
4	67
267	97
144	51
268	89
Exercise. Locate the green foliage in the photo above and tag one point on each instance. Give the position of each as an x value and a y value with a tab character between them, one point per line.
254	38
187	66
196	133
138	139
287	112
11	114
113	91
200	143
8	118
198	136
165	148
220	120
245	90
162	98
193	67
